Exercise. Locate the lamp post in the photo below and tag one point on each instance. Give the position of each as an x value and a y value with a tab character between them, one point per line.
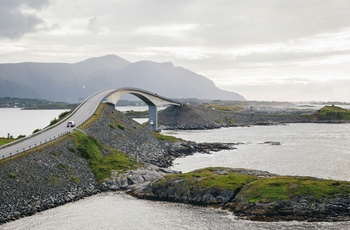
84	87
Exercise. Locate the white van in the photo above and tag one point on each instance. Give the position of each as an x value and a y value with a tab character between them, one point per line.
70	124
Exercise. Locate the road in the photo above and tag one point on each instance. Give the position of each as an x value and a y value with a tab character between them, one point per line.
85	111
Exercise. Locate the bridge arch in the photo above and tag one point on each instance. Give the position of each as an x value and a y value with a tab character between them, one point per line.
151	99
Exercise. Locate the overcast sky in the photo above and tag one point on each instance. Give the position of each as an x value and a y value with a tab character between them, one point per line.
282	50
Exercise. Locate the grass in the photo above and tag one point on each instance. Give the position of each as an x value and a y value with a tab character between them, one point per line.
209	178
102	165
227	108
258	190
331	113
164	137
94	117
4	141
289	187
12	175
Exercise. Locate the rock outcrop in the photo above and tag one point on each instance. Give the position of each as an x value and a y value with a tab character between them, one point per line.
195	117
55	173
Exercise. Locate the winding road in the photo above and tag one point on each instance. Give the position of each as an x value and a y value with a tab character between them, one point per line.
84	111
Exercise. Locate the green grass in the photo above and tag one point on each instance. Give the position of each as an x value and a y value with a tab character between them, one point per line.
288	187
257	190
12	175
102	165
331	113
208	178
4	141
164	137
227	108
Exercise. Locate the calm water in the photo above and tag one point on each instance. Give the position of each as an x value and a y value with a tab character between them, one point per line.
23	122
306	149
320	150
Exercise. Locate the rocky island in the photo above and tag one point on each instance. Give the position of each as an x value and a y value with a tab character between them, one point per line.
112	152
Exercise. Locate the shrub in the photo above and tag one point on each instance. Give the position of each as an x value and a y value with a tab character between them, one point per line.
12	175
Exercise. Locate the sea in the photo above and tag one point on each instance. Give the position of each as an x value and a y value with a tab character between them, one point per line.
317	150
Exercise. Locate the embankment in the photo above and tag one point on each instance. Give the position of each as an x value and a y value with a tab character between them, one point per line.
67	170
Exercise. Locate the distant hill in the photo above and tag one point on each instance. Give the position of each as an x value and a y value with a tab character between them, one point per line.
71	82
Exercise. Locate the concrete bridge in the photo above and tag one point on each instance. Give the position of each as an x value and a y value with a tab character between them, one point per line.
82	113
151	99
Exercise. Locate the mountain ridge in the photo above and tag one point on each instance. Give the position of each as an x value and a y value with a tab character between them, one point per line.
70	82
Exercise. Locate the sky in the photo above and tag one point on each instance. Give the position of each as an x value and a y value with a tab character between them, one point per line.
266	50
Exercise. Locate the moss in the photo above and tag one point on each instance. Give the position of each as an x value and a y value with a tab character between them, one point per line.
257	190
165	137
120	126
4	141
331	113
102	165
227	108
288	187
212	178
61	166
12	175
75	179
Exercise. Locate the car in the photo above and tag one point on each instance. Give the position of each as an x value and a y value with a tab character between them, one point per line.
70	124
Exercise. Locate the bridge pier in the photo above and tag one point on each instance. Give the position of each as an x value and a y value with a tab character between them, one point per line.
152	117
151	99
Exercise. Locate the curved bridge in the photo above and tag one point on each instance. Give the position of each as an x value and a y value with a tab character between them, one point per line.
83	112
151	99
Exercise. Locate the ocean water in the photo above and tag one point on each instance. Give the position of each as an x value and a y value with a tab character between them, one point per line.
320	150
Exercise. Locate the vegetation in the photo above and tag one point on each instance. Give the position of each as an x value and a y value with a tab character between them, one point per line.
289	187
36	130
209	178
102	165
164	137
94	117
60	117
137	114
259	190
120	126
228	108
4	141
331	113
12	175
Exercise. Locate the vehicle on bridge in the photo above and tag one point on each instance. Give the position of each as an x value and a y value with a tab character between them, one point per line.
70	124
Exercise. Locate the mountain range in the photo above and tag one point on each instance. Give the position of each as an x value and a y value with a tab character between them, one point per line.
72	82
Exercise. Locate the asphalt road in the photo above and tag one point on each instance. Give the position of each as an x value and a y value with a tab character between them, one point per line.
85	111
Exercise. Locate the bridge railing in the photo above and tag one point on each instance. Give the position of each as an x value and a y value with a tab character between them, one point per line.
46	129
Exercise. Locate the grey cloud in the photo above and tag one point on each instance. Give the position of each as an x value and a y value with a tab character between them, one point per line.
287	56
247	21
94	25
335	90
14	23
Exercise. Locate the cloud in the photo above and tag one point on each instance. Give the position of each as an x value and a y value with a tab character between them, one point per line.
15	21
333	90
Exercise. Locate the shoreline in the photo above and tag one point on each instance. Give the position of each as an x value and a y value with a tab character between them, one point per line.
67	176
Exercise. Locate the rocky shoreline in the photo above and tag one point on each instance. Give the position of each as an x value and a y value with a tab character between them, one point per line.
182	118
301	208
55	174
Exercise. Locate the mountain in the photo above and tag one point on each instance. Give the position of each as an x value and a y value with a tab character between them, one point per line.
71	82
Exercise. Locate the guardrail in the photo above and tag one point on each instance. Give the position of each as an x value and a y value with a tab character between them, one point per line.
50	127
